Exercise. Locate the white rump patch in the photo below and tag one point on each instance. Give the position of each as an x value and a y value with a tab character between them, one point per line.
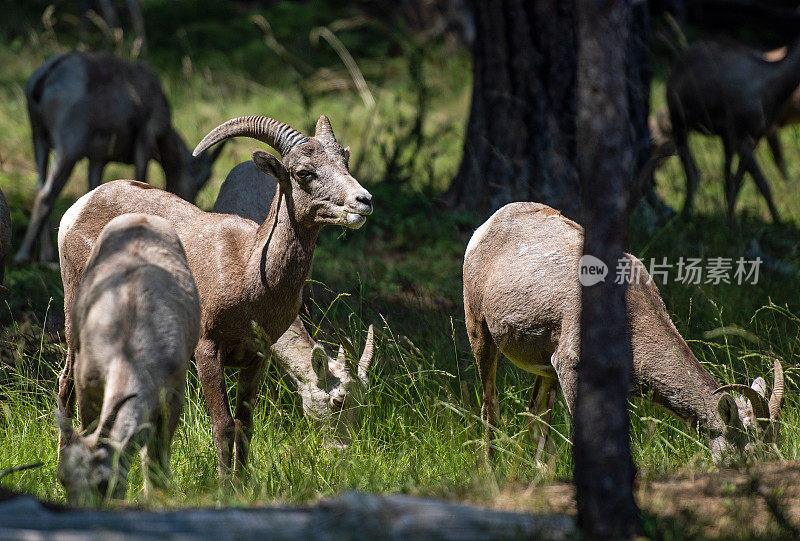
69	218
478	235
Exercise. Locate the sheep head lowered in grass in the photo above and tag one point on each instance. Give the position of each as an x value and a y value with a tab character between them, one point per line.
331	389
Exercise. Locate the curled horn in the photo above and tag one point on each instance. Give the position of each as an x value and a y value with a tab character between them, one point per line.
278	135
758	402
776	399
105	427
369	353
324	128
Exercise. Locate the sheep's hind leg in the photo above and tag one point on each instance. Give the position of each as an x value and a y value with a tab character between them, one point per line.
486	356
212	380
750	163
43	206
41	152
692	177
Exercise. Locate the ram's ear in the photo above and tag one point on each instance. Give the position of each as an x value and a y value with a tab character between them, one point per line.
319	362
272	166
760	386
64	423
347	156
729	411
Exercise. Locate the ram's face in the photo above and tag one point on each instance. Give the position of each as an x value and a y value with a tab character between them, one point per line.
319	186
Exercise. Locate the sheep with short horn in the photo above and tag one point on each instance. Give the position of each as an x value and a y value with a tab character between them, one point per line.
734	93
135	321
522	298
245	272
331	389
97	106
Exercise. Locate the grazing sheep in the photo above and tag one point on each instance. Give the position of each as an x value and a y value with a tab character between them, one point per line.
245	272
331	390
97	106
522	298
735	94
135	322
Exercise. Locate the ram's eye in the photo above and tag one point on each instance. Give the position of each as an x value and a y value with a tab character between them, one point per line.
305	176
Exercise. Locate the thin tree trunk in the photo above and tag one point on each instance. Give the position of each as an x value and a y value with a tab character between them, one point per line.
520	140
604	469
639	76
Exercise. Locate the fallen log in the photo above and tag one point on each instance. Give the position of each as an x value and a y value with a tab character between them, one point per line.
350	516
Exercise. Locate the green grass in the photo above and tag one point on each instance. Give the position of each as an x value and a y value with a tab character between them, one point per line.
420	431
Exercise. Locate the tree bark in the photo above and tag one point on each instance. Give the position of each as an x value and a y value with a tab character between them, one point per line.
520	140
639	76
604	469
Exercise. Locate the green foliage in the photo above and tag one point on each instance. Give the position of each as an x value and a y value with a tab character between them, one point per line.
420	431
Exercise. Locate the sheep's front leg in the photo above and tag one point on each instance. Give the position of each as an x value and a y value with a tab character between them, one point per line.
749	161
142	152
541	409
66	392
249	380
777	151
212	379
565	361
95	173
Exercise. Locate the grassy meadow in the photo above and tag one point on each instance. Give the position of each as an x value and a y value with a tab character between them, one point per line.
420	431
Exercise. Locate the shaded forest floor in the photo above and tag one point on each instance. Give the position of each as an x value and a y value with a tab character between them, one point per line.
761	502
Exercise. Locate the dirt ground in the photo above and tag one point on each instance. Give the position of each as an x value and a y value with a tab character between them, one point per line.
762	502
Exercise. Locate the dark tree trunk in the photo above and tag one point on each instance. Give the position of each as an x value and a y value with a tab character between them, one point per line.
639	74
604	470
520	140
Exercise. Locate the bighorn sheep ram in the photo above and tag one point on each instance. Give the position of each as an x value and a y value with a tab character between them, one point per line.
5	240
135	321
330	389
97	106
245	272
522	298
732	93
